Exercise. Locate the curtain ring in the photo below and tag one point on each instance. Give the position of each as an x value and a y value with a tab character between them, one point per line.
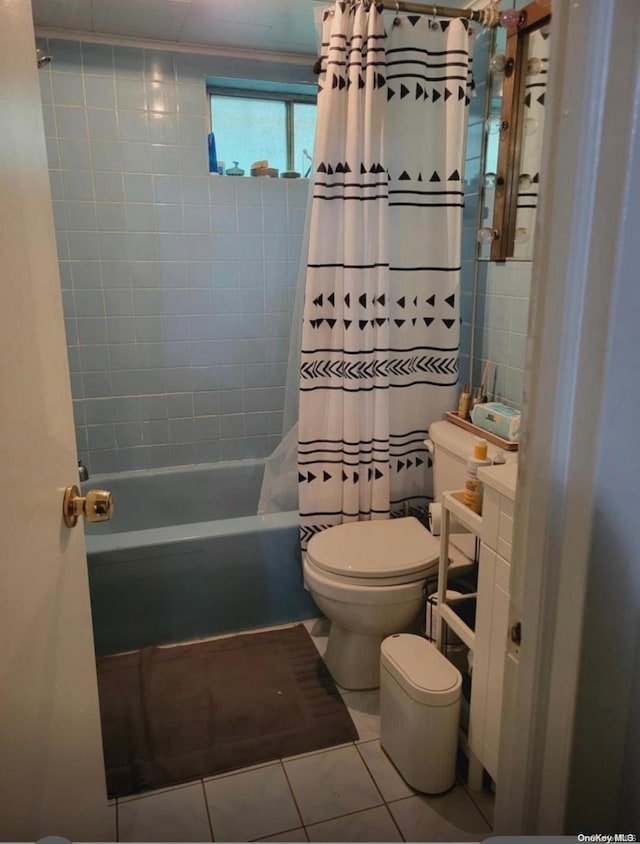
396	20
434	22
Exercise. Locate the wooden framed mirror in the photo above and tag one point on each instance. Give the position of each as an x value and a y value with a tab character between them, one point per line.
526	66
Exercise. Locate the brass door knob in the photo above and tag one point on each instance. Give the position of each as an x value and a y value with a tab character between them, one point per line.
96	506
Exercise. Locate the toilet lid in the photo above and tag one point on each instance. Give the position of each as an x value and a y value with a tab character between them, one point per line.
375	549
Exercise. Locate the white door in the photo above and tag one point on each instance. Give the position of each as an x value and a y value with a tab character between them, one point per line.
52	776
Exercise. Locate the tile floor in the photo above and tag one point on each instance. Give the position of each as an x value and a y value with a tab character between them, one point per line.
347	793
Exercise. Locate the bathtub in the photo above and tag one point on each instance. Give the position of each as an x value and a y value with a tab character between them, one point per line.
185	556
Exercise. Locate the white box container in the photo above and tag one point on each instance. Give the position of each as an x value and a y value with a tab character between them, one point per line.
419	711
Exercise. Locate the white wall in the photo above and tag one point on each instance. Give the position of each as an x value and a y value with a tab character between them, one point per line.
607	729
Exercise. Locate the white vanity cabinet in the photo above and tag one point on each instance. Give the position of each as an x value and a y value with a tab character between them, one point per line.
488	641
492	614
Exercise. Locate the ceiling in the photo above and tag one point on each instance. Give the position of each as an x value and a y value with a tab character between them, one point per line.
283	26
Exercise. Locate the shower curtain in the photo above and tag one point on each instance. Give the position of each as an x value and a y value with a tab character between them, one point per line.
380	333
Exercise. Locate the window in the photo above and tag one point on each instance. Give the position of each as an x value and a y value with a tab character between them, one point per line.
252	125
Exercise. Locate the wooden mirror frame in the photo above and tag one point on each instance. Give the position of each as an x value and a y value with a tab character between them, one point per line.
532	17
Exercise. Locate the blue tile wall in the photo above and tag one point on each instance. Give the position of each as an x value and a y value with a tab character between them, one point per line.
496	316
502	309
178	286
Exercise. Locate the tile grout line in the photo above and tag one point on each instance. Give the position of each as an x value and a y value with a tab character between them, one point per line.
328	749
239	771
386	805
477	805
282	832
356	812
151	792
206	807
364	762
293	796
395	823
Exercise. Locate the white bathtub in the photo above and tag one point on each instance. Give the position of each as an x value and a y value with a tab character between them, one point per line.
186	556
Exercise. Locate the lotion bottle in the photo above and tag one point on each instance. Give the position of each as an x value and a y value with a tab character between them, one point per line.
463	404
473	488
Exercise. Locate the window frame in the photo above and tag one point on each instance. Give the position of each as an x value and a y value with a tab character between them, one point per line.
289	98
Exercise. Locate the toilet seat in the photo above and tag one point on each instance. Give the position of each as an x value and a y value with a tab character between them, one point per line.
375	553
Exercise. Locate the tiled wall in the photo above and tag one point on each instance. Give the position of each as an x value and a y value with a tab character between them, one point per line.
499	323
502	309
178	286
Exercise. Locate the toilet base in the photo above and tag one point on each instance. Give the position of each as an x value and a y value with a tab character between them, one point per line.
353	659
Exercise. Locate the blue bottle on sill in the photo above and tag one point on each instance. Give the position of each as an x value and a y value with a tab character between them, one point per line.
213	158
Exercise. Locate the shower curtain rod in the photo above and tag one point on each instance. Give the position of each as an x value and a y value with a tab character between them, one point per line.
489	16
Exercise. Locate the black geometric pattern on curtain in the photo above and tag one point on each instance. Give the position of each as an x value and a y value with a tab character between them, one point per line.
380	335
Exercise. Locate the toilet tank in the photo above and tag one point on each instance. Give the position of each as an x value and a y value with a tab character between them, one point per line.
452	447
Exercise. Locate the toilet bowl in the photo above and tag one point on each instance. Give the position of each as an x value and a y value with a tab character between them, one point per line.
367	578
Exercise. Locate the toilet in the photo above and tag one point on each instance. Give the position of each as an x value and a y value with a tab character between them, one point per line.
368	577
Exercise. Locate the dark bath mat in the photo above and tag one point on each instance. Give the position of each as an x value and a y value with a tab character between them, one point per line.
175	714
